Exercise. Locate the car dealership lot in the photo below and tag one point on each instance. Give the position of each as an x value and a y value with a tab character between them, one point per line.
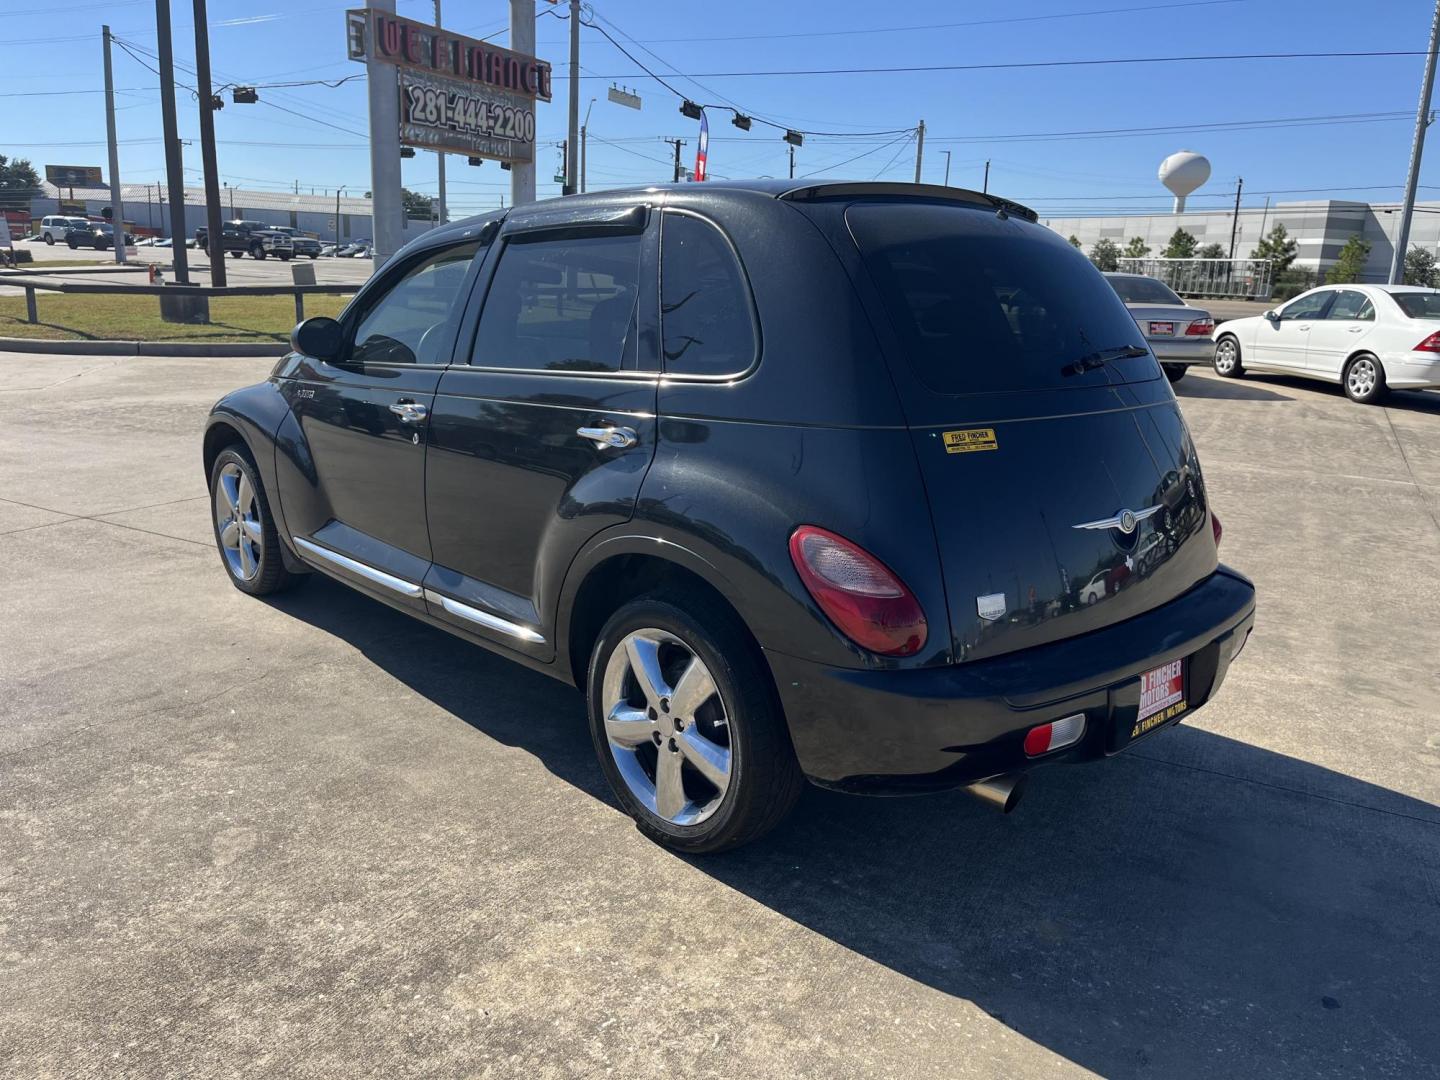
314	837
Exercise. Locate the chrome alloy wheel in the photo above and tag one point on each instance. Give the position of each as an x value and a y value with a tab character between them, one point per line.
237	522
1361	378
668	729
1225	354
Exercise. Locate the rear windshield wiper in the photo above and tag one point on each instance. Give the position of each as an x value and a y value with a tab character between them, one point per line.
1101	357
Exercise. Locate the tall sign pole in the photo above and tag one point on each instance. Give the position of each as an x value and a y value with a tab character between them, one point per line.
1417	148
174	168
386	205
214	231
522	40
440	154
117	207
572	184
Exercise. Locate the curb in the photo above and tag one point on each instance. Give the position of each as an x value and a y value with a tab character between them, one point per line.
144	348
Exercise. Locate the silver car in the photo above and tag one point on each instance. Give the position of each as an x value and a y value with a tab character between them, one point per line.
1178	334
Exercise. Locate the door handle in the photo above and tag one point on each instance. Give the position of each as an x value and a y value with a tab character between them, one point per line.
1305	327
1355	329
409	412
619	438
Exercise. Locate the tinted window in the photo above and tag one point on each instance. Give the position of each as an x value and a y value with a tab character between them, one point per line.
1307	307
1419	305
983	303
397	328
1143	290
1351	305
705	319
562	305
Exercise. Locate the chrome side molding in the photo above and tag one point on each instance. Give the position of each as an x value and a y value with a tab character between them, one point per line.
483	618
379	577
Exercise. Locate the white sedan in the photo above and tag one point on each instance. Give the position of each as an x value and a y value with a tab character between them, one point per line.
1368	338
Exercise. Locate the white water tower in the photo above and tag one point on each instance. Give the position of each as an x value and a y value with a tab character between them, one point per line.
1182	173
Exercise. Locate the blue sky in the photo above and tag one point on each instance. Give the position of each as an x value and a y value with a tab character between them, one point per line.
308	134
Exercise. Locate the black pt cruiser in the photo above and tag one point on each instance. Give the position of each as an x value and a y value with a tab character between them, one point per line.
875	485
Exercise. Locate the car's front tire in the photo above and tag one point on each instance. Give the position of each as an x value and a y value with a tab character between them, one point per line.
244	528
1226	360
237	254
1364	379
257	251
687	725
1173	372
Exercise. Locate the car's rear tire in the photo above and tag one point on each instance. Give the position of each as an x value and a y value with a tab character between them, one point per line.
237	254
314	255
1226	360
49	239
1364	379
244	528
283	257
701	756
1173	372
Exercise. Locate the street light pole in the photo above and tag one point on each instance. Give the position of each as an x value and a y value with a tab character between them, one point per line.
1417	149
919	148
947	167
583	128
572	162
174	167
215	237
117	209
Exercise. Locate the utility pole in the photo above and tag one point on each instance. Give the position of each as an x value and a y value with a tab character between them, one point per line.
174	168
117	209
947	167
985	187
1417	148
522	40
792	161
572	184
1235	219
439	154
919	148
583	126
214	232
337	219
678	143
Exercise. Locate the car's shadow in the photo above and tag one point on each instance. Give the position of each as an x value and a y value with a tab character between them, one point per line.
1225	390
1252	387
1196	907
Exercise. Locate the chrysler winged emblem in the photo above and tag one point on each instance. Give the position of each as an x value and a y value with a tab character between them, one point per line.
1126	520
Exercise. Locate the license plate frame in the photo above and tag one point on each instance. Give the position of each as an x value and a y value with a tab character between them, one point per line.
1163	700
1162	329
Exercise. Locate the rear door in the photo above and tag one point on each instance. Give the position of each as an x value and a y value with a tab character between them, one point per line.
543	437
1065	493
1333	339
1285	341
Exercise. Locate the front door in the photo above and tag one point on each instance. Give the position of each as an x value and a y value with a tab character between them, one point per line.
1282	342
360	507
1334	338
543	438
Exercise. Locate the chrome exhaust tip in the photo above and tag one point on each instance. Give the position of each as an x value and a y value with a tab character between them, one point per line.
1002	792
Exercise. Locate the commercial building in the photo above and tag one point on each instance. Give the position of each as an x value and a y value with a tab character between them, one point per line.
1319	229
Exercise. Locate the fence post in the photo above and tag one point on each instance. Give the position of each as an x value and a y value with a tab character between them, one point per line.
30	313
299	306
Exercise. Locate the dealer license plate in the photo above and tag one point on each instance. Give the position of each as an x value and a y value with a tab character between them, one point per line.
1162	329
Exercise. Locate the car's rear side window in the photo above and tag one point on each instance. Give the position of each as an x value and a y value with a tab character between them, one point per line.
706	319
983	303
1419	305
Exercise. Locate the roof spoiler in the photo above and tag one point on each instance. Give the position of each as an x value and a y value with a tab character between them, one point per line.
824	190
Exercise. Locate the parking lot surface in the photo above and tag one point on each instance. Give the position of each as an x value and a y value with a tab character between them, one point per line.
315	838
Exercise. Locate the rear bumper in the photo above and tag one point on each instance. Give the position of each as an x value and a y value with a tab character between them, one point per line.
927	729
1410	371
1196	350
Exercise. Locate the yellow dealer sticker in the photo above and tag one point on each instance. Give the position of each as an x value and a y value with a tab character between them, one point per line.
970	440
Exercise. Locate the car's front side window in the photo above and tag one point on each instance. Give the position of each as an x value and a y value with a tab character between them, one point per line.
562	305
406	324
1307	307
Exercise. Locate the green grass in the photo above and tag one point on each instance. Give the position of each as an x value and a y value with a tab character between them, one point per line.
116	317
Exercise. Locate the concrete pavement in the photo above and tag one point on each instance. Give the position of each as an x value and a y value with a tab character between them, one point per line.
315	838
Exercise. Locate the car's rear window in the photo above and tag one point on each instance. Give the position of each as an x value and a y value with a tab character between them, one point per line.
1419	305
985	304
1142	290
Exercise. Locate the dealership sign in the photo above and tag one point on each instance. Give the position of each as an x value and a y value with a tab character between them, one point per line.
73	176
457	94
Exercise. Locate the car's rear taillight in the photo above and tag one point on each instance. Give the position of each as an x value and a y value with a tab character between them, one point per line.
1430	344
870	605
1215	528
1200	328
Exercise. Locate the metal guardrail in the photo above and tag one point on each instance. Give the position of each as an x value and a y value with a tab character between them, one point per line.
299	292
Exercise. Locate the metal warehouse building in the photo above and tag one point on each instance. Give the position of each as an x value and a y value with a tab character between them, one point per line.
1319	229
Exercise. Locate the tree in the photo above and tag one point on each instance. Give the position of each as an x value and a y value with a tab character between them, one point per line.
1182	245
1105	254
1136	248
1420	268
1074	241
1278	248
18	177
1210	251
417	207
1350	263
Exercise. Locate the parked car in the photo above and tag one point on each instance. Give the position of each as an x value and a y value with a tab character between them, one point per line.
355	249
1178	334
299	242
806	497
55	226
256	237
164	242
1368	338
94	234
328	249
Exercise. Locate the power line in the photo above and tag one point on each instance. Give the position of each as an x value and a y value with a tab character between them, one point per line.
875	149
